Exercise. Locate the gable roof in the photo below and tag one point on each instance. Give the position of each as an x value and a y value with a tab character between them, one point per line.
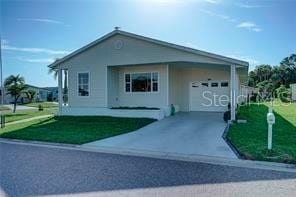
151	40
39	88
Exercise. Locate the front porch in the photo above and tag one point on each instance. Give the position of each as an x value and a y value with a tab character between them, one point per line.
175	86
160	86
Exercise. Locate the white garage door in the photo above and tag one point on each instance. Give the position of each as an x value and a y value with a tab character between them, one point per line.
209	95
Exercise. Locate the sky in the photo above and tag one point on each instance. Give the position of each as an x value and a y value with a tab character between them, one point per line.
34	33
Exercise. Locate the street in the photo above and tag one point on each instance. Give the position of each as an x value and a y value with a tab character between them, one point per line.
32	171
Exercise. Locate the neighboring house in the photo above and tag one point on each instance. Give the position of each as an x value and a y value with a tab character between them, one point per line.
293	89
248	91
125	69
41	95
54	93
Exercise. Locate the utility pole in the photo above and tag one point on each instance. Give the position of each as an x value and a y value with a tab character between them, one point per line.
2	120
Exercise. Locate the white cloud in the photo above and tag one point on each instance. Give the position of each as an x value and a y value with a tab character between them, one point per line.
250	26
35	50
213	1
257	29
251	61
247	6
42	60
42	20
246	25
3	41
221	16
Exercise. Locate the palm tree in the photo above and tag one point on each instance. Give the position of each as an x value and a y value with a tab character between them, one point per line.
15	86
30	95
53	71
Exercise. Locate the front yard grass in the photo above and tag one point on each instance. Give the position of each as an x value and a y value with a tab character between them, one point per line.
43	104
251	138
73	129
4	108
24	114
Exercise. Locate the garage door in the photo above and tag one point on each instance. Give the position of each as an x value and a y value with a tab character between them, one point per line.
209	95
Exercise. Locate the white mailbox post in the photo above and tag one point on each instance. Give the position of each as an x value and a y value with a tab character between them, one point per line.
270	121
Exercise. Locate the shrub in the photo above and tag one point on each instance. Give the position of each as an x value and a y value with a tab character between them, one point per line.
40	107
283	93
226	116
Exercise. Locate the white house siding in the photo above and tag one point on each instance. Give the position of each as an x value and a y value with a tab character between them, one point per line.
180	78
148	99
134	51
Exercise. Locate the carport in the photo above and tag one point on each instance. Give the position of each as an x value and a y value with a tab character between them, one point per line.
187	133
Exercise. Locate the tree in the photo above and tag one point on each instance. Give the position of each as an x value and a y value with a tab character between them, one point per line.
54	70
30	95
268	78
263	72
15	86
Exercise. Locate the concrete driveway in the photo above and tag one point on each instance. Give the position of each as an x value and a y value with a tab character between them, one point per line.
20	107
192	133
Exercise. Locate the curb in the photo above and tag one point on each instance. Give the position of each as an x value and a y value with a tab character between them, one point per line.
263	165
229	143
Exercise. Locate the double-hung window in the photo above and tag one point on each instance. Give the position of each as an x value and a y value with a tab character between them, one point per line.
142	82
83	84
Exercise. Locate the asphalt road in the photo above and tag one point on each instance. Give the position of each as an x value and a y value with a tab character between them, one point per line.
30	171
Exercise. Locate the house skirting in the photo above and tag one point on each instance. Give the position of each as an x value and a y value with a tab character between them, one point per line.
128	113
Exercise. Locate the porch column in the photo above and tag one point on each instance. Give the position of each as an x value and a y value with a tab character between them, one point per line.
60	92
232	91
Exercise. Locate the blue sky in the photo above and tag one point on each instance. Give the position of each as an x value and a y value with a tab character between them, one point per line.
33	33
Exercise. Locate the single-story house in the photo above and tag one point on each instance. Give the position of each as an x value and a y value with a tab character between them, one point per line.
53	95
40	96
123	70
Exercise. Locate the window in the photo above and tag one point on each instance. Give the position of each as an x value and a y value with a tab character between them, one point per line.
141	82
224	84
83	84
214	84
204	85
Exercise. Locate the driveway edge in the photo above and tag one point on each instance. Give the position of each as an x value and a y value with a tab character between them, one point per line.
229	143
263	165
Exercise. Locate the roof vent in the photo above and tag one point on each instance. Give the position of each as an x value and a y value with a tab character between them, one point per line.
116	28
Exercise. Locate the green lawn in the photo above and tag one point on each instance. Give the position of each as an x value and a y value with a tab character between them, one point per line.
24	114
73	130
44	104
48	108
251	138
4	108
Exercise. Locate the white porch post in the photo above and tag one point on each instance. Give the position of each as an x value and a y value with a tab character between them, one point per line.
232	91
168	86
60	85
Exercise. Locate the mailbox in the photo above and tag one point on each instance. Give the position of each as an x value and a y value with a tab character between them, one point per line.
270	118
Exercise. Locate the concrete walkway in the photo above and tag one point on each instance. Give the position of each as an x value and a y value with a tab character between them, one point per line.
194	133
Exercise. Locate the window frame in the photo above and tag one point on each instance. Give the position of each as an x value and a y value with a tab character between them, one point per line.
217	83
131	82
81	72
224	86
